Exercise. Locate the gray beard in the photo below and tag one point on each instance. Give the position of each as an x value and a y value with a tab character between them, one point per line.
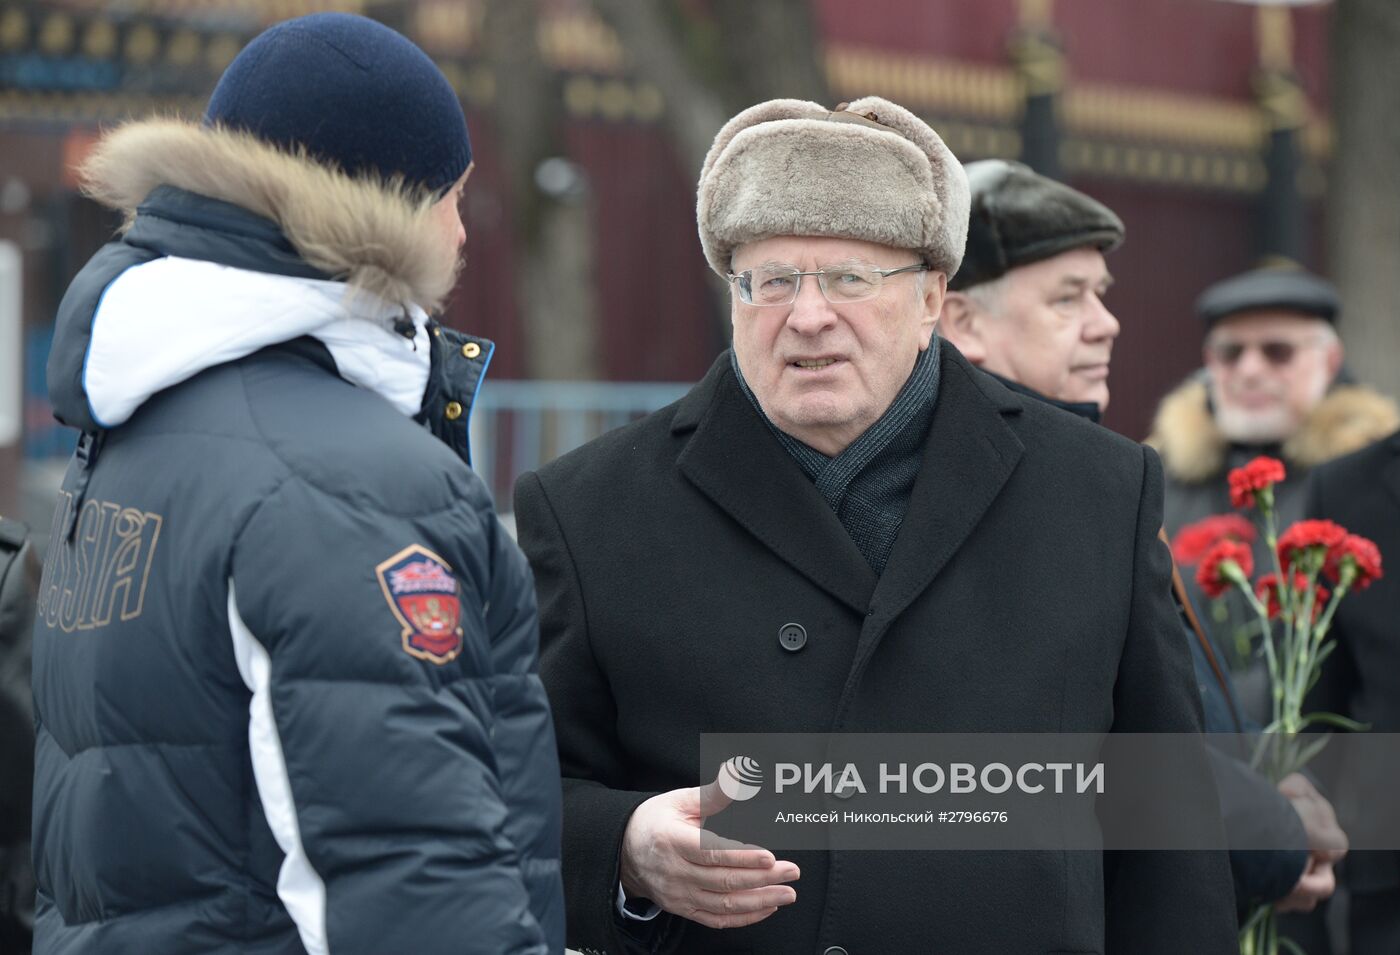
1252	427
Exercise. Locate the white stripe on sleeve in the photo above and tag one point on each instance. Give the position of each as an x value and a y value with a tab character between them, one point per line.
301	890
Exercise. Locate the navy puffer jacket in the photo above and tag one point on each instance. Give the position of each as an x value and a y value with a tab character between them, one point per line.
285	660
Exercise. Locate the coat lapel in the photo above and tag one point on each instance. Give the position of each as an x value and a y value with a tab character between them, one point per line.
1391	478
734	459
969	455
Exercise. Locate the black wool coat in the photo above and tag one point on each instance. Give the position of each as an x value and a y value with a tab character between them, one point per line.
1362	678
1027	592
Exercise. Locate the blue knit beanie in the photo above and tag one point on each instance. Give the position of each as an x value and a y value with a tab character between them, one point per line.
353	93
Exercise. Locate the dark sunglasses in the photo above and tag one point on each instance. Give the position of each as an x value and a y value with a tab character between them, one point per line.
1276	353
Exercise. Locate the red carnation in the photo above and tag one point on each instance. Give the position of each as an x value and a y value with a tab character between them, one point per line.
1267	590
1261	473
1193	540
1211	574
1306	535
1361	553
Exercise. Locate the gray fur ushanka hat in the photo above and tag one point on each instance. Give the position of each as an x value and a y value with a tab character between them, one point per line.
871	170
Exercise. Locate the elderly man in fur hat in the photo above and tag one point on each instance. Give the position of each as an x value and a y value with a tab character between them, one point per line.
1272	384
285	671
845	526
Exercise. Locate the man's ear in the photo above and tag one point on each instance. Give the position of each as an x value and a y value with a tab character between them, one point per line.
962	325
1335	354
935	286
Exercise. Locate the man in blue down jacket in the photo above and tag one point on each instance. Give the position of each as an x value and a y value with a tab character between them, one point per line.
285	661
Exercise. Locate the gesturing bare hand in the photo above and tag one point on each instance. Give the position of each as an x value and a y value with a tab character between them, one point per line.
720	884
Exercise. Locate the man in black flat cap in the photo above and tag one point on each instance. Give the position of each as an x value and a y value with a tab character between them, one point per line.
1271	385
1027	302
1028	308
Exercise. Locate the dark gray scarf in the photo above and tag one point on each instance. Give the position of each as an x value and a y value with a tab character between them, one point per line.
868	485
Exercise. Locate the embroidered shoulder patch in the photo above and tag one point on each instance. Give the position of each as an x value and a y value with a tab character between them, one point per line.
422	594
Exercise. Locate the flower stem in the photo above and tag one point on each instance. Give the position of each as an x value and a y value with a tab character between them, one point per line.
1275	686
1319	636
1285	596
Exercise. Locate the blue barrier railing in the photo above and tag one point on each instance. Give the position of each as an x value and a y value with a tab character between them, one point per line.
44	437
516	426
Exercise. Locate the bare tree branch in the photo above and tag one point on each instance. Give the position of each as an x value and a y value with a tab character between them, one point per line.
525	100
772	49
694	111
554	240
708	69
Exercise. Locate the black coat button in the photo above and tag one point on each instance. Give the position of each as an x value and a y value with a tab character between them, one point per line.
792	637
835	950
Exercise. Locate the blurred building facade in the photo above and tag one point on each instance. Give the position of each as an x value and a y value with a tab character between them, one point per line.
1157	107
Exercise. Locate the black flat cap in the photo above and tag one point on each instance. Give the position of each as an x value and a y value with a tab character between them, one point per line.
1019	217
1284	288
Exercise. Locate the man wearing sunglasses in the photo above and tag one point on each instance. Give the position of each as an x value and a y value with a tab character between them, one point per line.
1272	384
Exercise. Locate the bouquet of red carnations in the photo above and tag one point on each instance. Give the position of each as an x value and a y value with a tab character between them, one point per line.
1315	564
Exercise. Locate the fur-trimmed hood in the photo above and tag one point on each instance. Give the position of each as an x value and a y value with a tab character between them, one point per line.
377	237
1193	449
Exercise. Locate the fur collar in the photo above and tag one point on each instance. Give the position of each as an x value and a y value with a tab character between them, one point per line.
1193	449
377	237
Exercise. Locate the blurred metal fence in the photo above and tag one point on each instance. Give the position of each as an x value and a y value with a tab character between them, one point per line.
44	438
518	426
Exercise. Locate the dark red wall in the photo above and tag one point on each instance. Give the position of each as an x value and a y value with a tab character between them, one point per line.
1179	238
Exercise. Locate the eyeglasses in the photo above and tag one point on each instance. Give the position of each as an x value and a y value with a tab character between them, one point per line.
1277	353
841	285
